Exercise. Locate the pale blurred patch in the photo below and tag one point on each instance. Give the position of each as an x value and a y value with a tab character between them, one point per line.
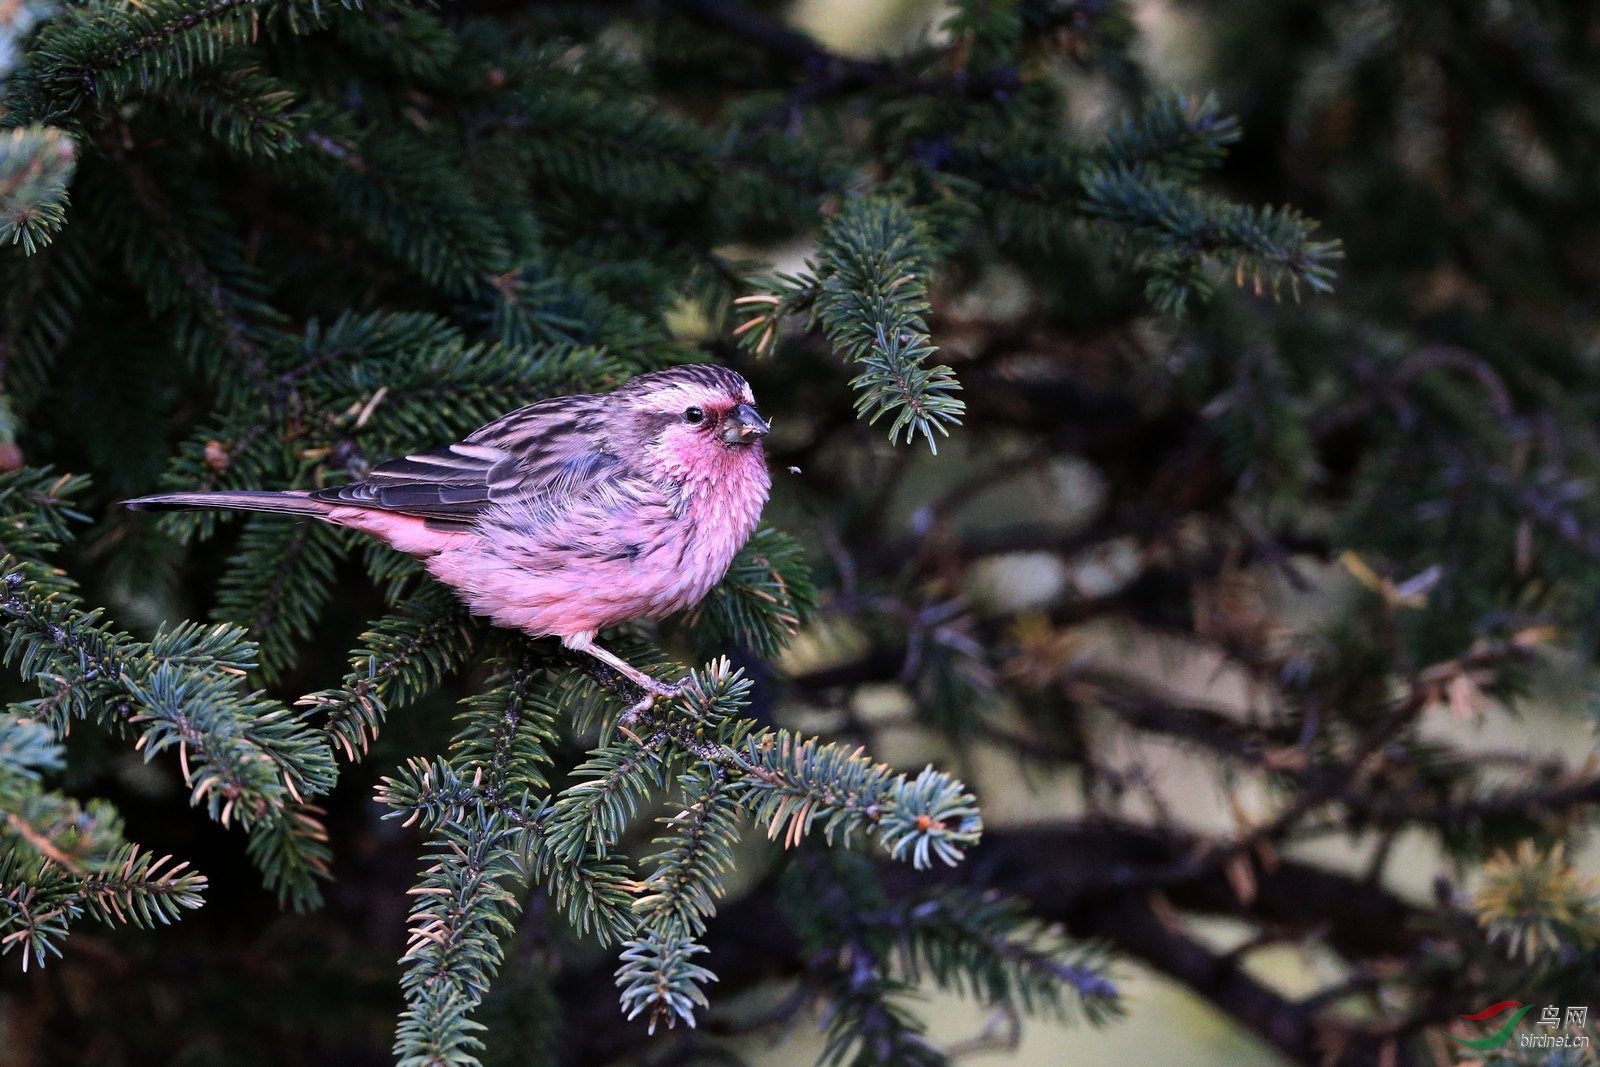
867	29
1016	582
1164	1024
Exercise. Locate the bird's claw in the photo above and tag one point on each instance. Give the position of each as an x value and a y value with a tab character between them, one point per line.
653	692
666	689
632	715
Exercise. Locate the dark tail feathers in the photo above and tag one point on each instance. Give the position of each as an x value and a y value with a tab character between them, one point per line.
288	503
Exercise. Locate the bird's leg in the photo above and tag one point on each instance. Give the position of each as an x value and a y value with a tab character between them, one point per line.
626	669
653	690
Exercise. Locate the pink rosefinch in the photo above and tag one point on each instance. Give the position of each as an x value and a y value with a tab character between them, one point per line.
569	515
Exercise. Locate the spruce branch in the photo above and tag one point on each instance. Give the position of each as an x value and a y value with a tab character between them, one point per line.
986	945
873	263
402	657
401	194
37	508
567	841
506	733
946	667
1174	231
784	783
1176	135
241	754
438	1029
868	291
830	900
250	112
32	917
240	758
38	313
35	821
433	793
135	887
96	54
28	749
614	782
869	1024
291	851
129	886
44	828
462	908
696	852
466	901
364	388
660	980
36	165
595	894
608	144
277	583
490	837
775	299
1139	184
193	264
794	784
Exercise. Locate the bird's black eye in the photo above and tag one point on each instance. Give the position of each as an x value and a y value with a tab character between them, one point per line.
694	416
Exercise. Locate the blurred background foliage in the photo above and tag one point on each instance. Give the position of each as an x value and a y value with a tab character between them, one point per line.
1264	628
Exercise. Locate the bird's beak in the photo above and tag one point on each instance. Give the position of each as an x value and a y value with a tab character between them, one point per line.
744	425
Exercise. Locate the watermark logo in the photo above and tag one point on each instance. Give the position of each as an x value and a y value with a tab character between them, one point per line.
1550	1018
1500	1036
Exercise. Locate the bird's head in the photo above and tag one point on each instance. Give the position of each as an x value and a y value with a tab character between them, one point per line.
697	418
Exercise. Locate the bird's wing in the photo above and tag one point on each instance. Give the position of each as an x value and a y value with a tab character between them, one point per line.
544	452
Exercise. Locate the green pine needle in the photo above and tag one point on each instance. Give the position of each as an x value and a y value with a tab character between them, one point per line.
36	165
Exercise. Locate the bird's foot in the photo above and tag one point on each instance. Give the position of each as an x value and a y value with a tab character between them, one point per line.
666	690
634	713
653	691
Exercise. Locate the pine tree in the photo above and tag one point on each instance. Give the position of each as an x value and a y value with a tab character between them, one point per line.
1049	311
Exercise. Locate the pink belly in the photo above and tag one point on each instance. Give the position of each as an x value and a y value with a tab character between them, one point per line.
572	594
